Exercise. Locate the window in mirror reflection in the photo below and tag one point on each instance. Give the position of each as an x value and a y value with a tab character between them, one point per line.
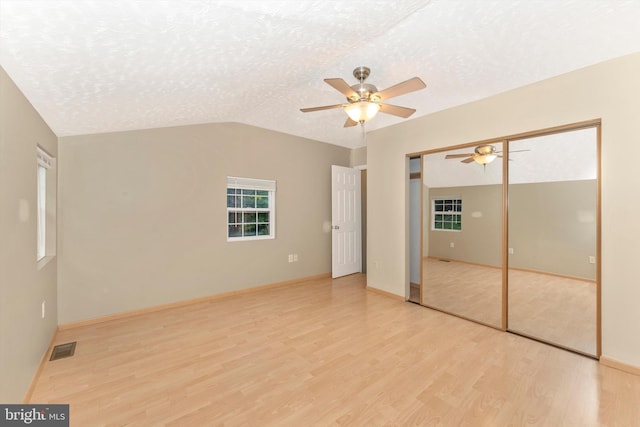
447	214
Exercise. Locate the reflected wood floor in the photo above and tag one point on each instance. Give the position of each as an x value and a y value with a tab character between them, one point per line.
326	352
556	309
468	290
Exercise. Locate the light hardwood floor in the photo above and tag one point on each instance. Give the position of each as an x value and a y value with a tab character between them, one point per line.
555	309
326	352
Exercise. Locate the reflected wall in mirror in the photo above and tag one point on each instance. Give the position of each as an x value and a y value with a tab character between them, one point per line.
552	289
462	233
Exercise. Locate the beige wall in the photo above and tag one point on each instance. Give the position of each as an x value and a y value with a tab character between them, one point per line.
552	227
24	335
610	91
143	215
358	157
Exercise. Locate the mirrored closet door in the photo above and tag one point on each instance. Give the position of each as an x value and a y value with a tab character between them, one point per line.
552	238
462	233
513	241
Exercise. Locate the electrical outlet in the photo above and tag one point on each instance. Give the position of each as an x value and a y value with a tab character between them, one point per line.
592	260
452	245
295	257
290	257
43	308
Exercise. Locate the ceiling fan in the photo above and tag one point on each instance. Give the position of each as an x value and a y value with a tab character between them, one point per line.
363	99
483	154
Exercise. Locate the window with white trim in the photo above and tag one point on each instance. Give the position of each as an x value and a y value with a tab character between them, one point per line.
45	213
446	213
251	209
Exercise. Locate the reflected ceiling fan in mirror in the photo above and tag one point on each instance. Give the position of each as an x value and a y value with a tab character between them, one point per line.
482	154
363	99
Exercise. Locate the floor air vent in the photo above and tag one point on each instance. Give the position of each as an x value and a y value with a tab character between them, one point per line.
63	350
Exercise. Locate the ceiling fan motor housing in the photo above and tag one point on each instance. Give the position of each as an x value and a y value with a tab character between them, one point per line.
485	150
364	90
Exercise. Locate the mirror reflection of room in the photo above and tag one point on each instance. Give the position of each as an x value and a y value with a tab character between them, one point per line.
551	244
552	239
462	238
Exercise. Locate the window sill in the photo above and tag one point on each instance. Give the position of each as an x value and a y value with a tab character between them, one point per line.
44	261
249	239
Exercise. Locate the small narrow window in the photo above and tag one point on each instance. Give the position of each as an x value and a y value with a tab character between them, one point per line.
250	209
446	214
44	165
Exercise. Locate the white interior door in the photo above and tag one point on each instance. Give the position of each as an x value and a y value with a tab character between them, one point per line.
346	239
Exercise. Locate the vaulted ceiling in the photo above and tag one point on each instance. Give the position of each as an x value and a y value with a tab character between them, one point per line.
96	66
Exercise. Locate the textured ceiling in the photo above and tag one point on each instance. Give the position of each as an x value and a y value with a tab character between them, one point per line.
102	66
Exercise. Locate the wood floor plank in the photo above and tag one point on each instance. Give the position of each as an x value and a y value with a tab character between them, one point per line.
325	352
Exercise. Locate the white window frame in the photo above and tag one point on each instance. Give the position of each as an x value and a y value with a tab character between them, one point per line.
250	185
452	201
45	164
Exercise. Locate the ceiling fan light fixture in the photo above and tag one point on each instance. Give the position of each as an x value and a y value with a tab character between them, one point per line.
362	111
484	159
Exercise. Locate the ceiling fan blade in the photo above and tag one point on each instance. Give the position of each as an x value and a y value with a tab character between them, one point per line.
511	160
469	160
350	123
325	107
401	88
342	87
513	151
394	110
457	156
